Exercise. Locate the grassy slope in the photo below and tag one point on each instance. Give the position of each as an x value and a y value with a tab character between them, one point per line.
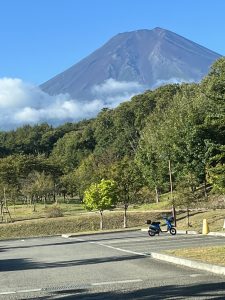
76	219
73	224
112	220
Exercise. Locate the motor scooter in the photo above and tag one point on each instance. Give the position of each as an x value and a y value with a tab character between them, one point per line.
155	228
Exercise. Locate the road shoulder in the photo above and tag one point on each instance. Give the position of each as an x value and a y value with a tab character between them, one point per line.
189	263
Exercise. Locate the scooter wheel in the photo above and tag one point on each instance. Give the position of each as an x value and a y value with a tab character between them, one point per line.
151	233
173	231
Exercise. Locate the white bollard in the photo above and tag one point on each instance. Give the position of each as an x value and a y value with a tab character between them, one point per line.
224	225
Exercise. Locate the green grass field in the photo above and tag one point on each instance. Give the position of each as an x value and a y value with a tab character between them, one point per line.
75	218
73	224
27	222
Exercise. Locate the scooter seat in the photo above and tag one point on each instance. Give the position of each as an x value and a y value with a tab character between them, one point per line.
155	223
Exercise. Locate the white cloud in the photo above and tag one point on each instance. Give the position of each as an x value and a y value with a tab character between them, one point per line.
160	82
112	87
23	103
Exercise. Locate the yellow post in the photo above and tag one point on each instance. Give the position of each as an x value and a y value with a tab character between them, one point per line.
205	227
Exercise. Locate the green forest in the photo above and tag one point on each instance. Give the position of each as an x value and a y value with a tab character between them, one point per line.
168	140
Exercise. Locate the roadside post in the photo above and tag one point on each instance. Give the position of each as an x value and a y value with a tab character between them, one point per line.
205	227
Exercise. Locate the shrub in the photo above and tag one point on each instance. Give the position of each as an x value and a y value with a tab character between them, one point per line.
54	212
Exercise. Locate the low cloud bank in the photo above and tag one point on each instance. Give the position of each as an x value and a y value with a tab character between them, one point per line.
173	80
23	103
112	87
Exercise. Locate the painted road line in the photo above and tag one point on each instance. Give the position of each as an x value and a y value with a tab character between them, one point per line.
29	291
20	291
114	248
195	275
116	282
7	293
133	240
120	249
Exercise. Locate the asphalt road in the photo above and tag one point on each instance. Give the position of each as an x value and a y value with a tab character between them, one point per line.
105	266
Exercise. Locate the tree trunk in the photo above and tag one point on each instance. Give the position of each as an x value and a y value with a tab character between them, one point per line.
101	220
5	200
205	190
156	195
188	224
34	204
171	181
125	216
54	195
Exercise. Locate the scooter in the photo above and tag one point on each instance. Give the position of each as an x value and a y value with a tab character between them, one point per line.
154	227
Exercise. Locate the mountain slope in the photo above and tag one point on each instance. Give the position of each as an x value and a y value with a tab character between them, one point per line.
132	62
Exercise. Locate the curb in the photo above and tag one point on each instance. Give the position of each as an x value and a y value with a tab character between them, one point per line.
187	232
189	263
217	233
178	231
68	235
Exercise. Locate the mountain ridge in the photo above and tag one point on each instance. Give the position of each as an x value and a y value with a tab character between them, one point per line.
145	57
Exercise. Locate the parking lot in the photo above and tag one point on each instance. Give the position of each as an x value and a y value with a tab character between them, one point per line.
104	266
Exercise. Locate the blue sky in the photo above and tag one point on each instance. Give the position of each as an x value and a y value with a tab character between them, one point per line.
41	38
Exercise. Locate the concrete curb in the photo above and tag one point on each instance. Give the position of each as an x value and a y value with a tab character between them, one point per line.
144	229
189	263
187	232
178	231
68	235
217	233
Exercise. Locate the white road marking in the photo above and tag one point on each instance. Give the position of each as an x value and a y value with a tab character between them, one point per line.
195	275
115	248
116	282
20	291
7	293
127	241
29	291
120	249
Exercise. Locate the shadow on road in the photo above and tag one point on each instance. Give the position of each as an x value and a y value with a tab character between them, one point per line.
3	249
70	242
41	245
7	265
201	291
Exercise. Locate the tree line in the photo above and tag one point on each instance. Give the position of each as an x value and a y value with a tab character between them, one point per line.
133	145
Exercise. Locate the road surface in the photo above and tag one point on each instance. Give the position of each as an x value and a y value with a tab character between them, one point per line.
104	266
